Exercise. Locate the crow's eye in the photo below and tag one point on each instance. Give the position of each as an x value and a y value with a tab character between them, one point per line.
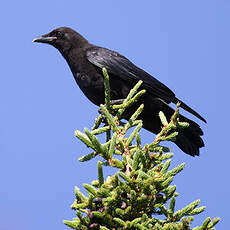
59	34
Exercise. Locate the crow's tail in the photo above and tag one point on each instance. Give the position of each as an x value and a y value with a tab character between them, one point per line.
188	140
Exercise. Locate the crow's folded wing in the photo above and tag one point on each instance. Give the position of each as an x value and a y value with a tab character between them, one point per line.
121	67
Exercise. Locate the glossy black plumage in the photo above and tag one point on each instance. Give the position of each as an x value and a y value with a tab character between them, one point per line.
86	61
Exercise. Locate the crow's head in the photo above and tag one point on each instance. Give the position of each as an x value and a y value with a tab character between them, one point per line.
63	39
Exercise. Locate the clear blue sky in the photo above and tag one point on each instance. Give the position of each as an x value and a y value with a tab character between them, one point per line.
179	42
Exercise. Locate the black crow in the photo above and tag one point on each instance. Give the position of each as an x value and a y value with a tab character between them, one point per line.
86	62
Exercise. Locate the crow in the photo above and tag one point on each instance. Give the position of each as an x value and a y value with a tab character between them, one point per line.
86	62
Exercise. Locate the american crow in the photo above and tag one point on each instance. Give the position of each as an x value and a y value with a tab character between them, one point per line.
86	62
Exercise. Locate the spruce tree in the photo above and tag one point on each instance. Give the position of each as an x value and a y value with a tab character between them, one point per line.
140	195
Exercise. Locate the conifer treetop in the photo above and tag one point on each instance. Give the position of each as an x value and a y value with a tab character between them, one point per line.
140	195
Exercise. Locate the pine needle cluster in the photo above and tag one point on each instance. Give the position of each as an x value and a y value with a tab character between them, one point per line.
140	195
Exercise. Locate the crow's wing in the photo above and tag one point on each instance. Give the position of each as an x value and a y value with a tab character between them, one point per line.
120	66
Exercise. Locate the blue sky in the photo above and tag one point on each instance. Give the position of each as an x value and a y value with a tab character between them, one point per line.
179	42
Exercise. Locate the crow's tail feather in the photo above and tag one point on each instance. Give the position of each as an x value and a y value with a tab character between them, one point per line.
189	109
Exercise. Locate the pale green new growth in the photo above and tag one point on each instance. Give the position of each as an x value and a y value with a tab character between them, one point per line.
140	195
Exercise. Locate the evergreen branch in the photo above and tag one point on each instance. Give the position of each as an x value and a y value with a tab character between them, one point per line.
127	101
81	136
135	196
87	157
100	130
109	117
107	88
97	122
100	173
133	118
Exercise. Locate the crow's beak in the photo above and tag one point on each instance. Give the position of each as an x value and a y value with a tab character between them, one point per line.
45	39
